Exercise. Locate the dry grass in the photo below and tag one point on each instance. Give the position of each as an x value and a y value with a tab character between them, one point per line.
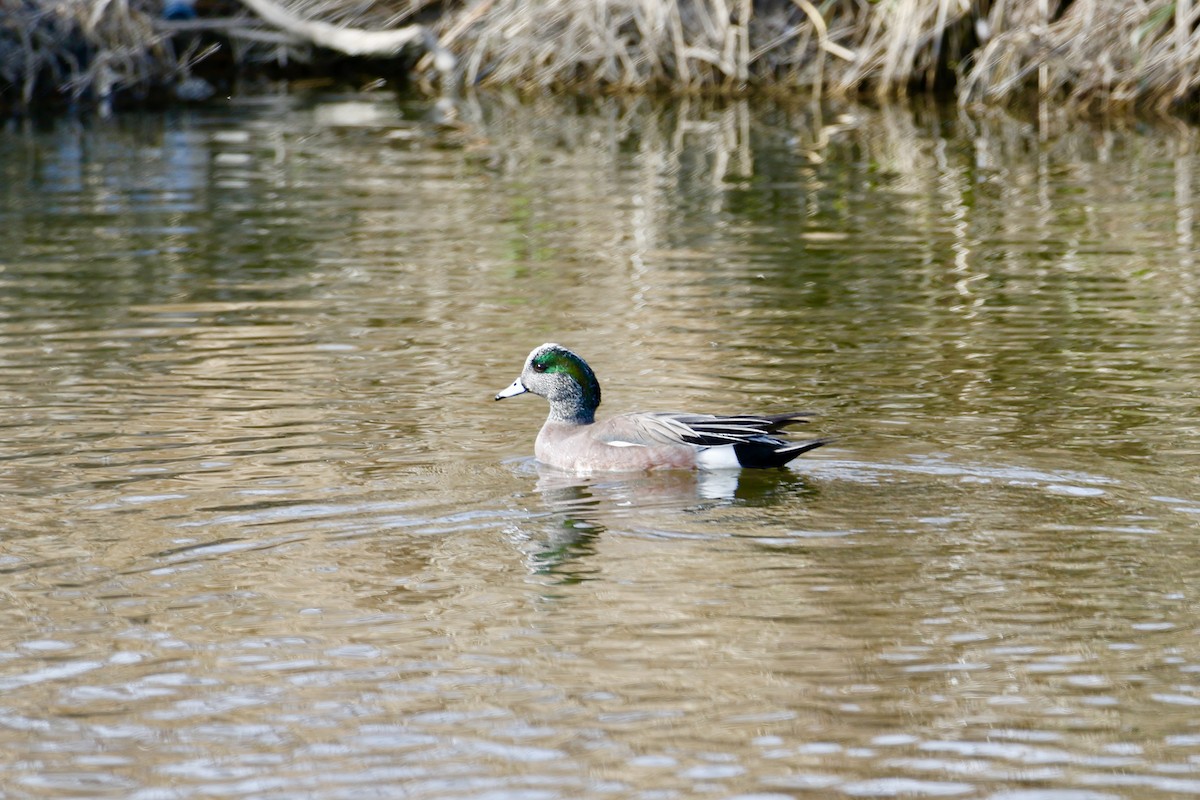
1088	53
1098	53
838	46
71	48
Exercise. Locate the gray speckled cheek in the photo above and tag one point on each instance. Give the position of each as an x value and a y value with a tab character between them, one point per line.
565	380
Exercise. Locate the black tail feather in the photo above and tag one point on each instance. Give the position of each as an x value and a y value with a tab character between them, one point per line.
767	452
777	422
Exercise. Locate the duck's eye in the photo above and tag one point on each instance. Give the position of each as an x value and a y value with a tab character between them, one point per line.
538	366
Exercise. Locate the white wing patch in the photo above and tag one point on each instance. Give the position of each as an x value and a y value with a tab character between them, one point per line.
619	443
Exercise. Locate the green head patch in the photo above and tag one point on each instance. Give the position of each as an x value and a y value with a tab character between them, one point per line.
561	361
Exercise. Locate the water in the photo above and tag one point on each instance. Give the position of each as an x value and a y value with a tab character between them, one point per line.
265	533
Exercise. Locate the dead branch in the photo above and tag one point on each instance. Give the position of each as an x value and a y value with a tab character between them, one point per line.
351	41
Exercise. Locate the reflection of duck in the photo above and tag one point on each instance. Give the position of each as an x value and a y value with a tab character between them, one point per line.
572	439
582	507
572	531
759	489
591	499
591	496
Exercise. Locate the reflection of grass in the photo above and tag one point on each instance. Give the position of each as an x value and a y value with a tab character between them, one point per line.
1018	270
1099	54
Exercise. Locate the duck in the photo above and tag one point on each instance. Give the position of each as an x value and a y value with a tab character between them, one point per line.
572	439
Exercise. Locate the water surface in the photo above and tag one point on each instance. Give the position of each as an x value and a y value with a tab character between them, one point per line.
266	534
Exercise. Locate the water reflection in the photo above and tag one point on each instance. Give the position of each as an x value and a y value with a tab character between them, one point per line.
575	511
579	509
264	534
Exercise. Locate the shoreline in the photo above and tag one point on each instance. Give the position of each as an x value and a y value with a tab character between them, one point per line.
1083	56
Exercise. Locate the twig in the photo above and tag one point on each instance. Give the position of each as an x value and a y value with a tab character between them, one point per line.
351	41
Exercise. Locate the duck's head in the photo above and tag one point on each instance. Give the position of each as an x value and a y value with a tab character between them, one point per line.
555	373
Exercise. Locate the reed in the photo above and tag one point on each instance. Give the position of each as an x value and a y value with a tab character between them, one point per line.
75	47
1096	54
1092	54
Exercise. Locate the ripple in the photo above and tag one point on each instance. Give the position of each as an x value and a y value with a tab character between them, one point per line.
265	532
898	787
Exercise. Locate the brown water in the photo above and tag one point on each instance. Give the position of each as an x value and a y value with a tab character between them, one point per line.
265	534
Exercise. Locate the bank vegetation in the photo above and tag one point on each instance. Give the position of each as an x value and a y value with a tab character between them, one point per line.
1095	55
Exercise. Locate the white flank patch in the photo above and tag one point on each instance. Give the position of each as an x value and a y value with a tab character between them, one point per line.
619	443
720	457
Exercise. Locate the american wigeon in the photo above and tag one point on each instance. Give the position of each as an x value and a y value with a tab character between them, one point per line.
572	439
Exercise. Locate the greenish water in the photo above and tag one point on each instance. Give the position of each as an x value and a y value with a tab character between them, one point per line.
265	533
